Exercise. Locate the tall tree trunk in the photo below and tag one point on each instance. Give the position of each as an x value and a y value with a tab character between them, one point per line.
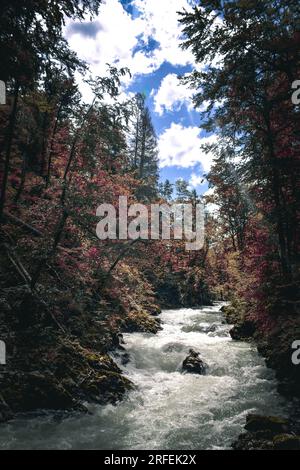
57	236
73	151
276	189
48	176
143	150
136	142
44	146
23	178
10	135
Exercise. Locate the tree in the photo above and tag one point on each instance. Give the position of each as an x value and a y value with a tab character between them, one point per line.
30	37
143	152
257	46
182	191
63	95
167	189
231	198
102	86
138	105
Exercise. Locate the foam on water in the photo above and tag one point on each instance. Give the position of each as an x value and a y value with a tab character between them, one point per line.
168	410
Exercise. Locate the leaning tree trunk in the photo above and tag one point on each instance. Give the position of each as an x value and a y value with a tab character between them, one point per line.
73	152
55	127
10	135
57	237
23	178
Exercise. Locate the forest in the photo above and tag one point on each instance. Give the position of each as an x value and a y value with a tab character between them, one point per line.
69	302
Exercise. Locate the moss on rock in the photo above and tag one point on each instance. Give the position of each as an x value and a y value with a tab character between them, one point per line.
286	442
274	424
141	322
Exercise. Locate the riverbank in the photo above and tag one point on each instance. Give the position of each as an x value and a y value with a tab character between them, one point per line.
275	345
61	335
268	433
59	345
274	342
169	408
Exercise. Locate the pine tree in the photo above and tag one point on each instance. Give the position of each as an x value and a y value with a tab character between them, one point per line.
167	189
231	198
182	191
257	46
143	152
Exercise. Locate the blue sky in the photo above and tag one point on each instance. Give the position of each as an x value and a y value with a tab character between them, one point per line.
145	36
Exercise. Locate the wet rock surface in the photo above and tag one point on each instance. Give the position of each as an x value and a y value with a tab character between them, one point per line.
243	331
267	433
141	322
193	364
256	423
60	363
274	344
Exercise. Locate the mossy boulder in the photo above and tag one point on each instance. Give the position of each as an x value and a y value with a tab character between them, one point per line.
243	331
105	387
232	314
266	433
274	424
141	322
256	441
35	390
286	442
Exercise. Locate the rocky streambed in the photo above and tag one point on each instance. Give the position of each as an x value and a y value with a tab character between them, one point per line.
169	408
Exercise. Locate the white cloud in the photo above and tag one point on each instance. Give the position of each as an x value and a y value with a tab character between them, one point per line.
212	208
171	95
196	181
180	146
160	18
116	36
113	42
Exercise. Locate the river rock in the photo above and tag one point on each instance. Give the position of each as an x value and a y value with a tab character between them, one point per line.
286	442
141	322
253	441
267	433
193	364
212	329
274	424
243	331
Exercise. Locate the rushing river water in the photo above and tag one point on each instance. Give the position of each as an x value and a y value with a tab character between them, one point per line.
168	410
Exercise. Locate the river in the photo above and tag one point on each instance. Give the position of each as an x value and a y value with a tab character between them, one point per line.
169	409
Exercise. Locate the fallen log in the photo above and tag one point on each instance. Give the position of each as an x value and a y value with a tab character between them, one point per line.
16	262
23	224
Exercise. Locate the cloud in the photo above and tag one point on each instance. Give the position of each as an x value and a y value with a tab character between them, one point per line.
212	208
180	146
160	21
196	181
113	42
118	38
88	28
172	95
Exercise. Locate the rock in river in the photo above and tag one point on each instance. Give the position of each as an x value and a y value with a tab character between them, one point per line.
242	331
274	424
194	364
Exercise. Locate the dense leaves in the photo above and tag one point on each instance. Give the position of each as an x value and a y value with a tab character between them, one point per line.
252	51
